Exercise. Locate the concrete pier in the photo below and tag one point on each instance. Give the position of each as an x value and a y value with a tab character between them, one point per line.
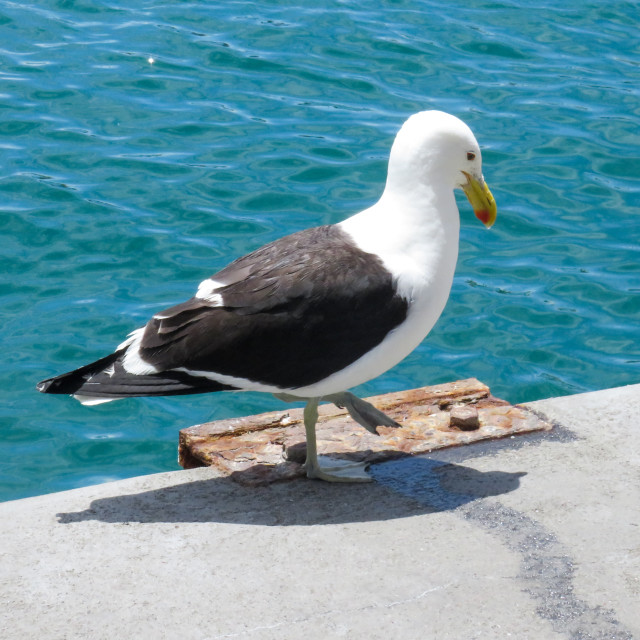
534	537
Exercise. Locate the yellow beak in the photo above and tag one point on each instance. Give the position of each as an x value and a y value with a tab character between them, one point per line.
484	206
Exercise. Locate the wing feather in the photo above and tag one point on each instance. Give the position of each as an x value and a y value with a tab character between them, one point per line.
291	313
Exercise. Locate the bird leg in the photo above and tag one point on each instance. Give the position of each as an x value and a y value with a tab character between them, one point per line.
332	469
363	412
324	467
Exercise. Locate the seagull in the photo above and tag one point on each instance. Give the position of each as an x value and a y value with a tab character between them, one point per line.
313	314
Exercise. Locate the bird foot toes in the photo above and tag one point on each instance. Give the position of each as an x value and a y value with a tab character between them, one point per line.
333	470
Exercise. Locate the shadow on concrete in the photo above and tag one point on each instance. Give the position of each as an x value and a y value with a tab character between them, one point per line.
403	488
443	486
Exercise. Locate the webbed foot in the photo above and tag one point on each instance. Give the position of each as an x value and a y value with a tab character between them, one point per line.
363	412
334	470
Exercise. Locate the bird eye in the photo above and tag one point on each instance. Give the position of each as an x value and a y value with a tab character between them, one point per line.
471	155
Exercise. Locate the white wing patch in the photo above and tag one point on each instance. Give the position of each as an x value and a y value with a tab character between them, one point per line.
132	360
207	291
130	338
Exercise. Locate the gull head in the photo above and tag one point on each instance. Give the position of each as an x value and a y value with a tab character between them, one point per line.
436	151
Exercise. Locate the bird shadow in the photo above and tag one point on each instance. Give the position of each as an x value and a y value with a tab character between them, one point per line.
403	488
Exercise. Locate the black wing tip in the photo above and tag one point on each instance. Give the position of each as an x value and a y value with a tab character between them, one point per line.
70	382
50	385
168	384
43	385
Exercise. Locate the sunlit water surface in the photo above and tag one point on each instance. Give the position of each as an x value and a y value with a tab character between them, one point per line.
144	148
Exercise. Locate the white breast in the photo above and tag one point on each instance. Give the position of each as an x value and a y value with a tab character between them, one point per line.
421	255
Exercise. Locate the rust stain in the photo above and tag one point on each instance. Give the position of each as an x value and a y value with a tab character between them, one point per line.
271	446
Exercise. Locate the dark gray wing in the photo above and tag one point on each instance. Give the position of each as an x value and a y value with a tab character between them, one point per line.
292	313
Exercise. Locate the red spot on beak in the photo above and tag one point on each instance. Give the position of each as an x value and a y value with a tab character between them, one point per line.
483	215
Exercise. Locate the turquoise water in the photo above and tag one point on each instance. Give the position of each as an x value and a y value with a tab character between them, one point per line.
142	149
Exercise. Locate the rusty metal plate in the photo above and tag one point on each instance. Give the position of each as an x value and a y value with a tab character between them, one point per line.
271	446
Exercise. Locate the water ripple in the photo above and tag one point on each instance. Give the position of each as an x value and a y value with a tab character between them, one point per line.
143	148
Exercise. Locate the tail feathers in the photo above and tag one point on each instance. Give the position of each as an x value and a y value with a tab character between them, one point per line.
106	379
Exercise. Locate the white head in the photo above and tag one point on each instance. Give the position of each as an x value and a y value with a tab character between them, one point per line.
436	148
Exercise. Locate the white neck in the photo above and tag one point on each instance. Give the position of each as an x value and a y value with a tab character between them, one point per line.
415	235
417	241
